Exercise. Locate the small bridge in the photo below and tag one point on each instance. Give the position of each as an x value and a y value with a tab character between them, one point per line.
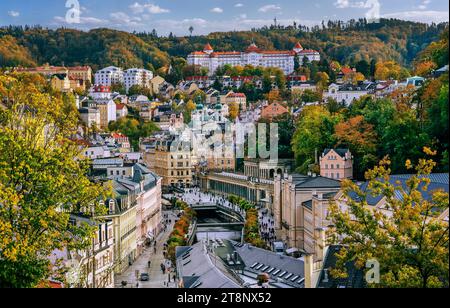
238	218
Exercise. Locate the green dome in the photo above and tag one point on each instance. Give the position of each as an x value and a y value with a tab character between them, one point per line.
199	106
218	107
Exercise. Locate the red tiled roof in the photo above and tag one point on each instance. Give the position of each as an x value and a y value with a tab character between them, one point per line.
276	52
118	135
79	68
237	95
50	284
346	70
208	47
253	48
298	46
226	53
102	89
120	106
190	78
308	51
198	53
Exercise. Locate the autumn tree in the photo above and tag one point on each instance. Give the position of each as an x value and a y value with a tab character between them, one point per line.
407	237
42	179
274	96
354	77
425	68
233	111
389	70
322	80
360	137
189	107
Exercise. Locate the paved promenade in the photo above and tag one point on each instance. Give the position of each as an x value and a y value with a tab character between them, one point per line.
157	278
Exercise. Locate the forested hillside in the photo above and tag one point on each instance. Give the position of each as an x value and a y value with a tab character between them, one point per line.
347	43
98	48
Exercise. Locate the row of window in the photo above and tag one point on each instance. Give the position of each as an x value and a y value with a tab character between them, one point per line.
332	166
180	173
333	176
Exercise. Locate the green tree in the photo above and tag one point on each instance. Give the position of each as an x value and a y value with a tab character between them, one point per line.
42	179
297	63
133	128
119	88
403	139
407	238
363	67
314	133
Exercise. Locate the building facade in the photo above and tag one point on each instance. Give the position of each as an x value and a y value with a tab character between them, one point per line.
173	163
301	207
90	117
137	77
108	112
109	76
285	60
256	184
336	164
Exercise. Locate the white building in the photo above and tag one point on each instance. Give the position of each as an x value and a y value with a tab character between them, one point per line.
137	76
94	266
90	117
252	56
96	152
99	92
109	76
348	93
108	112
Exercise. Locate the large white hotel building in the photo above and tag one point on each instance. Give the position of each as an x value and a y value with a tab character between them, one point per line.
252	56
133	76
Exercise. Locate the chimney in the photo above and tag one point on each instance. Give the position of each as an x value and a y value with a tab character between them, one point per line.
309	271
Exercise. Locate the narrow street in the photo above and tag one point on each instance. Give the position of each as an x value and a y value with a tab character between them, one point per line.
157	278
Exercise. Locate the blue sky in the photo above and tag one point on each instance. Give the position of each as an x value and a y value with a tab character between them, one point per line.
213	15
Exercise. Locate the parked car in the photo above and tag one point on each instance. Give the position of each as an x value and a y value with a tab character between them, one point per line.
278	247
144	277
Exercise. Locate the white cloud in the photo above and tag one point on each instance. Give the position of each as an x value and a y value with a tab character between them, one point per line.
13	13
122	19
269	7
243	16
138	8
420	16
238	5
217	10
87	21
343	4
424	4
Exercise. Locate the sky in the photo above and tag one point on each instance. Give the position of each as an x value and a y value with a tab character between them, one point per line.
204	16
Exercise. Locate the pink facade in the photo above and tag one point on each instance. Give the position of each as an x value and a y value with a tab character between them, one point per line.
336	164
